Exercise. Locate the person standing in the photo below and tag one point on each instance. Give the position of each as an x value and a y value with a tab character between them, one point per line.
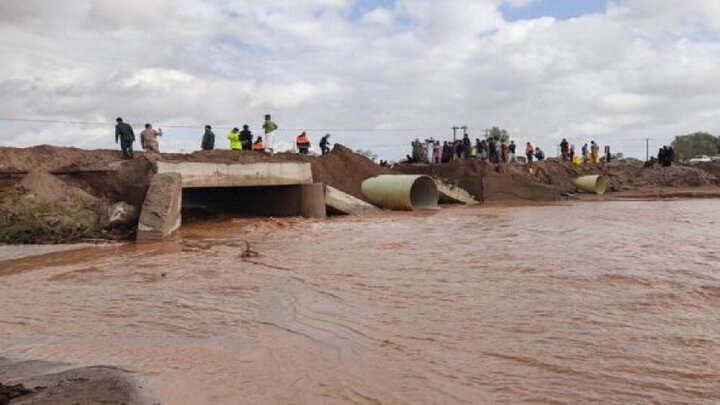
529	151
148	139
467	145
585	153
607	154
126	136
437	153
325	144
269	127
208	139
246	138
670	156
503	152
572	153
429	144
594	152
447	153
303	143
564	150
493	150
512	148
234	137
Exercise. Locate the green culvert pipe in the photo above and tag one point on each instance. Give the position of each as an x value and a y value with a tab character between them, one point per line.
401	192
595	184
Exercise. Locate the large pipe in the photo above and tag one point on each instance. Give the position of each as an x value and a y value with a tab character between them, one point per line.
595	184
402	192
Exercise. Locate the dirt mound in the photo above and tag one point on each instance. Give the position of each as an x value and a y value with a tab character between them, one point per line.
44	208
343	169
47	188
490	182
676	176
709	167
50	158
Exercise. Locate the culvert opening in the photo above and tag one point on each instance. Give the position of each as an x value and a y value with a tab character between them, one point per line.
424	193
254	201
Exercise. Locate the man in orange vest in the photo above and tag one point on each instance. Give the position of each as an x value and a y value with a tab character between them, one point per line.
303	143
259	146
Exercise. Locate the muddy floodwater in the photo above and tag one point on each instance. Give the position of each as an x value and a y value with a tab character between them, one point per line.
612	302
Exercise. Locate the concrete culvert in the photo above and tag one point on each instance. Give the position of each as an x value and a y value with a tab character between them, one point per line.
401	192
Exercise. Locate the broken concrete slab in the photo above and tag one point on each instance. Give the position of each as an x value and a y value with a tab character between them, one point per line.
196	174
454	194
343	203
160	215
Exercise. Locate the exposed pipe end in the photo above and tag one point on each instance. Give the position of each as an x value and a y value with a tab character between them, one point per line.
402	192
424	194
595	184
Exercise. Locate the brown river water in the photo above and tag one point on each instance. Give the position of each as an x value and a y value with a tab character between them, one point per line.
611	302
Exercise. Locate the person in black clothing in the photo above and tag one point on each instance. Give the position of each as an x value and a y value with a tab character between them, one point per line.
512	148
467	145
493	150
246	138
458	150
607	154
666	155
661	156
447	152
670	156
325	144
208	139
565	149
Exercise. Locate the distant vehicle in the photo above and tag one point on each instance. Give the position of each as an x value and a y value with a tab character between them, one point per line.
700	159
715	158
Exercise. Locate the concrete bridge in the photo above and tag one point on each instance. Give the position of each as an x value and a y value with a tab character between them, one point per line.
257	189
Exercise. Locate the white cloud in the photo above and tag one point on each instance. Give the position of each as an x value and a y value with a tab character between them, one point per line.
644	69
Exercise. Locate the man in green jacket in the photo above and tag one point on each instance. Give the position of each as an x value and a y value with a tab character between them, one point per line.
124	133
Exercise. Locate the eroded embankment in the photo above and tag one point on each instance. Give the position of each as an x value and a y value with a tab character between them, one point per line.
55	194
550	180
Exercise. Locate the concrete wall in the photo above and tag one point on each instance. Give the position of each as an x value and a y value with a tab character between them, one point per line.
196	174
160	215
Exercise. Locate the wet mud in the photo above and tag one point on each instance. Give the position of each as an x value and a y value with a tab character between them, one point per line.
612	302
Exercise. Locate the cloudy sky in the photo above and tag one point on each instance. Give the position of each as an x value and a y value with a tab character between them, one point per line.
374	73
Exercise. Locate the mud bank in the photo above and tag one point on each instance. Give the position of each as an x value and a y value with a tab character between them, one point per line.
43	382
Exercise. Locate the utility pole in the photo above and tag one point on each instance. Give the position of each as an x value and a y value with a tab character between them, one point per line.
455	128
647	149
464	128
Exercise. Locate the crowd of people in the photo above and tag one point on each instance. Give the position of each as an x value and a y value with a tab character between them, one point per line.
491	149
238	140
665	157
497	150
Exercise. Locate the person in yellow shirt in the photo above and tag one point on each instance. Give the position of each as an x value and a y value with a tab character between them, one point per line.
234	138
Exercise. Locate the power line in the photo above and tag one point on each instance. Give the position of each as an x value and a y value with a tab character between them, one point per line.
101	123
